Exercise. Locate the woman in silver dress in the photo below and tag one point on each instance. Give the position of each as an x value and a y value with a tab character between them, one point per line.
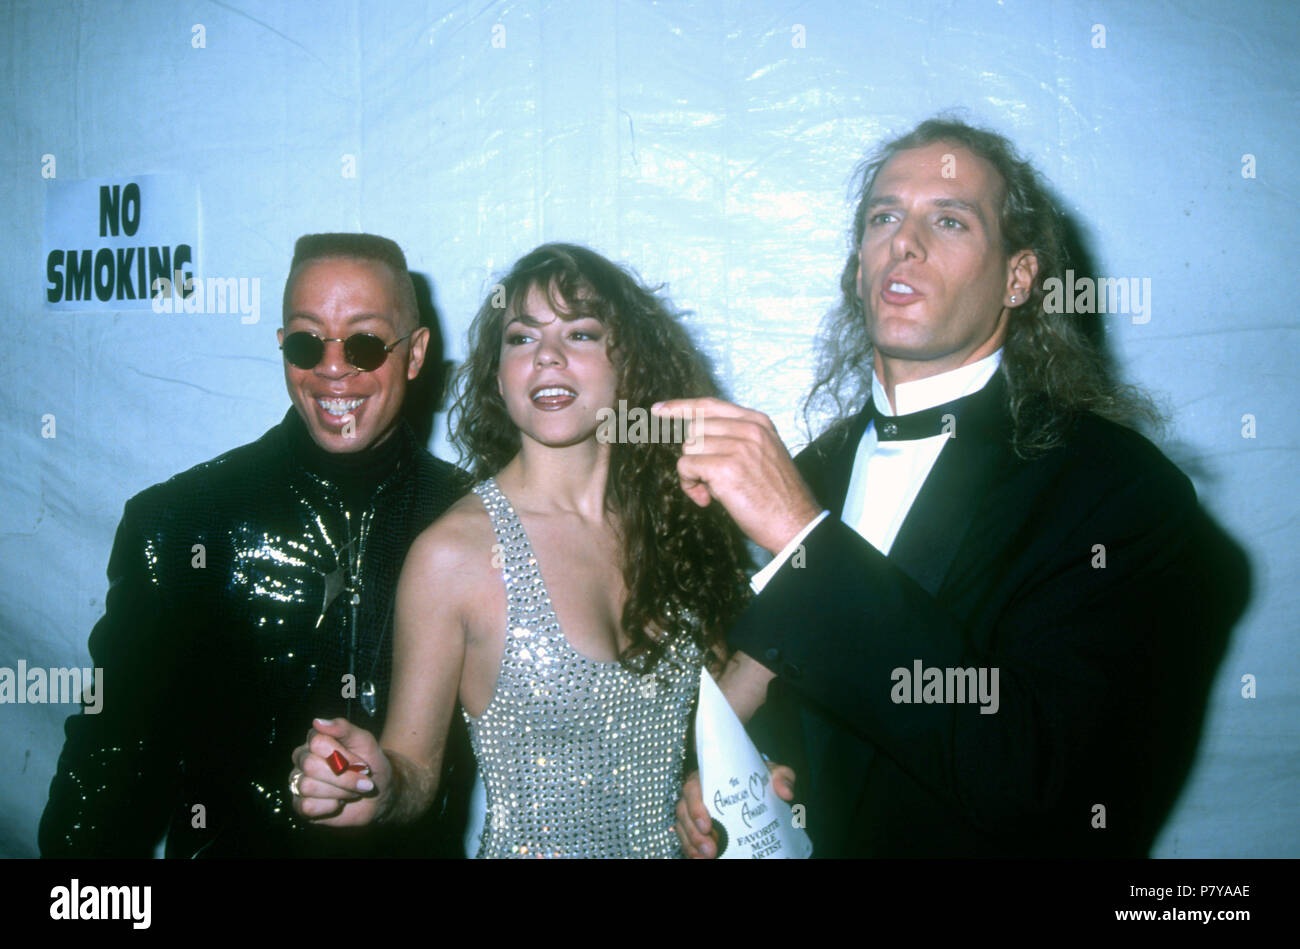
570	600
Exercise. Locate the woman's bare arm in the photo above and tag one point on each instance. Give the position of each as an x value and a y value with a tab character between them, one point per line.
433	592
744	682
428	659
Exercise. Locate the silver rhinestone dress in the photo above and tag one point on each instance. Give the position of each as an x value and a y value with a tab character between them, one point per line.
579	758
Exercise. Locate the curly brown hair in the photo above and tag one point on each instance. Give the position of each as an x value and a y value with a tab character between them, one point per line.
1053	372
685	567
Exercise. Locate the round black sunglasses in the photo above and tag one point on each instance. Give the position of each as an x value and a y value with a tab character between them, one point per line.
365	351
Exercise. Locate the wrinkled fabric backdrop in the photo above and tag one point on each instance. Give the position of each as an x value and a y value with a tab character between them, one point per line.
707	144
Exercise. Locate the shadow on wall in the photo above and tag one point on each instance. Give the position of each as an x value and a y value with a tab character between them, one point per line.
1189	655
1188	457
426	395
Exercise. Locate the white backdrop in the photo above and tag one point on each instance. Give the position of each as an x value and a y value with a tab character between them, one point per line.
709	144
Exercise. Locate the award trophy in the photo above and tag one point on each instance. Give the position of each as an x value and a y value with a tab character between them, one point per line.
750	821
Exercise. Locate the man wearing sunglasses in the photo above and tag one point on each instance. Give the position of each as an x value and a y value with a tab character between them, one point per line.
255	591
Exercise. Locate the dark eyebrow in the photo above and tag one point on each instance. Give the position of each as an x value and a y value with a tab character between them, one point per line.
960	205
957	204
530	320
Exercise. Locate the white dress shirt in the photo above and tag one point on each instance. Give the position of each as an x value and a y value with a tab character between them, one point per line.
887	476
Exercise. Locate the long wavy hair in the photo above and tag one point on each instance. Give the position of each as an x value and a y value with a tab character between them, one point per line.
684	567
1053	372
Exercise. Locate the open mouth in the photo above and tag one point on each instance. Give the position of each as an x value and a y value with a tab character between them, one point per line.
552	397
339	408
899	293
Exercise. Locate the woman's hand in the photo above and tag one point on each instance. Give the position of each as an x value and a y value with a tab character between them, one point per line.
340	776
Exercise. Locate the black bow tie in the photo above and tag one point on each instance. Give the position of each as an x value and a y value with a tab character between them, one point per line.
939	420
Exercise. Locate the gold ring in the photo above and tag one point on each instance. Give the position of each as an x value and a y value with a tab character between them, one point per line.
293	783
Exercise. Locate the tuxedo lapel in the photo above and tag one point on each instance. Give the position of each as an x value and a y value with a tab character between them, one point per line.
965	470
818	743
839	763
941	514
827	465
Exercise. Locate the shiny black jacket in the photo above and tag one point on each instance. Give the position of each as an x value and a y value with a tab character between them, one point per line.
243	601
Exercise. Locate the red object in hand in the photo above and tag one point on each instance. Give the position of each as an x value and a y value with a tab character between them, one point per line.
338	764
359	766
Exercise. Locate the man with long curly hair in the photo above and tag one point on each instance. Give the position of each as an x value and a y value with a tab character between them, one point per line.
994	607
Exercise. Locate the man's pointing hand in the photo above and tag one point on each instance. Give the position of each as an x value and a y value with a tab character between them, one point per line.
734	456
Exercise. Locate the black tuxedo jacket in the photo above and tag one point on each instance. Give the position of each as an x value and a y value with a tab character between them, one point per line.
1102	663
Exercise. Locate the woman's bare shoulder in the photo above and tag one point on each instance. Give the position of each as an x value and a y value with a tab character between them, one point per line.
459	542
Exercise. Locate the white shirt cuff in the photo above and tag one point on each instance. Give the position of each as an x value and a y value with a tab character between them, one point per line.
760	579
